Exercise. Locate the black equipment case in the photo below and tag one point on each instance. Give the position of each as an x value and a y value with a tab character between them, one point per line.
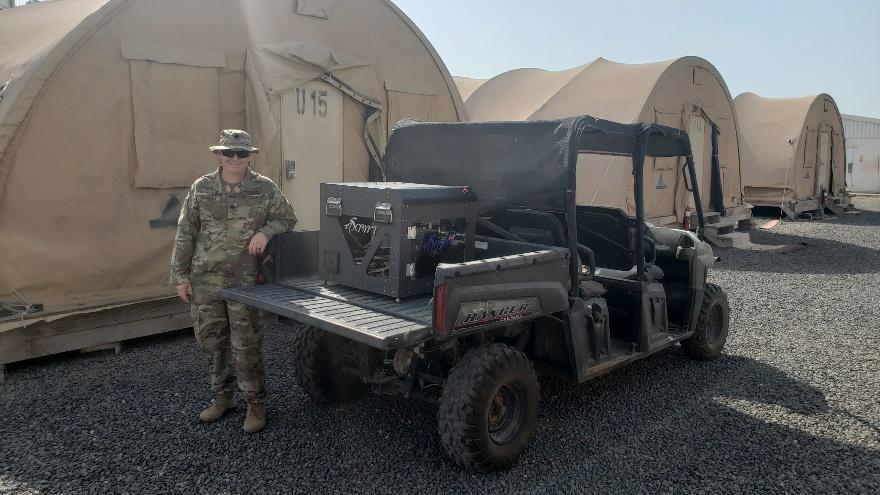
388	237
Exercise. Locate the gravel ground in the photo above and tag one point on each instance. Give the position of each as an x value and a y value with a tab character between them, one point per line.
792	407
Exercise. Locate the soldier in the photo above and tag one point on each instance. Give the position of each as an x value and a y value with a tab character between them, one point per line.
226	221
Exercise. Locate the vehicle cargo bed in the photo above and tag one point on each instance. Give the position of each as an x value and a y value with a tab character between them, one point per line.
373	319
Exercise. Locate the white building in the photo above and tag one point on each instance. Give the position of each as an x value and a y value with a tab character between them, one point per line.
862	153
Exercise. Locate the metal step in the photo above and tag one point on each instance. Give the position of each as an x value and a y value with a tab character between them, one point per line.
719	229
840	210
710	217
731	239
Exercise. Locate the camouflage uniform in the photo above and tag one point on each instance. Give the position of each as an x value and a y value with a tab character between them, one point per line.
216	224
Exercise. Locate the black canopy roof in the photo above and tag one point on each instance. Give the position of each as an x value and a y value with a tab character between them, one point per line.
526	164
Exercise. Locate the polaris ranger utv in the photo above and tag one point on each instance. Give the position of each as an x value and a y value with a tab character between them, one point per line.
461	294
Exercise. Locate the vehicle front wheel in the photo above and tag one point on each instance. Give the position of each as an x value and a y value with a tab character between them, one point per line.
321	358
489	408
712	325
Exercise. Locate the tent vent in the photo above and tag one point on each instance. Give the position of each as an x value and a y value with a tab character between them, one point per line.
315	8
699	76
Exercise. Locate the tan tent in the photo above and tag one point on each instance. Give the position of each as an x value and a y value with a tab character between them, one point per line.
467	85
687	93
792	151
108	107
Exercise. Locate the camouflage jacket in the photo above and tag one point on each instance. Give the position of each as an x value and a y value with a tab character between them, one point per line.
215	227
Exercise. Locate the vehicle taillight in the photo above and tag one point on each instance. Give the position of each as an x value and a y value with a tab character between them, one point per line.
440	309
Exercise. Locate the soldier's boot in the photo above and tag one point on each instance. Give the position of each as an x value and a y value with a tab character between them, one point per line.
255	420
222	403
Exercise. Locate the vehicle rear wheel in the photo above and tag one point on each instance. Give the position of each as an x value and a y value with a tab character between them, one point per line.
320	361
712	325
489	408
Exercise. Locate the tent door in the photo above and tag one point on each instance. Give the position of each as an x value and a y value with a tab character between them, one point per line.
822	168
697	132
311	147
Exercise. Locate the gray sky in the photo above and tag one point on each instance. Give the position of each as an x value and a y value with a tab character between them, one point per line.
774	48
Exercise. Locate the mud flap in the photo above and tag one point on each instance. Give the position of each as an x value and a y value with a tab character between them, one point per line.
588	335
656	323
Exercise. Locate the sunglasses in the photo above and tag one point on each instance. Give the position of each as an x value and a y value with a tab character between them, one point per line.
240	153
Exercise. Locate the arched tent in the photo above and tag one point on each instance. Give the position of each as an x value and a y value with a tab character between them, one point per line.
687	93
467	85
108	107
792	151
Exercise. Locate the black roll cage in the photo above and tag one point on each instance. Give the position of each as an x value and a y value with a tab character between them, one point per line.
501	160
590	136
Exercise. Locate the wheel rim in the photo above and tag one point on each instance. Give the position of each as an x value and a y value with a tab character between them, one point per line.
716	320
506	412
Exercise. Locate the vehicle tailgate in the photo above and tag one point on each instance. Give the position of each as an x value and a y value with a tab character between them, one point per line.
372	319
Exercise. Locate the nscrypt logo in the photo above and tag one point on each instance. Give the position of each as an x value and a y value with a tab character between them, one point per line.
358	233
353	227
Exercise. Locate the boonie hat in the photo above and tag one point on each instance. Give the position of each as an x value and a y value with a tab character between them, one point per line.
234	139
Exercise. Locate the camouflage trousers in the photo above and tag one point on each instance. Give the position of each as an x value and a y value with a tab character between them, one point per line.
232	335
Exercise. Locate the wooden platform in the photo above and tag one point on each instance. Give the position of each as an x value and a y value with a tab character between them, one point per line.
92	331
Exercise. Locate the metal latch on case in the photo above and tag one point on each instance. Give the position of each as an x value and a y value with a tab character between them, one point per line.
333	207
382	213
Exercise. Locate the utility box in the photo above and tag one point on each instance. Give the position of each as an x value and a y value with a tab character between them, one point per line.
389	237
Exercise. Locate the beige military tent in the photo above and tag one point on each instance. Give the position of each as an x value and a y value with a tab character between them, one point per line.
792	152
687	93
108	107
467	85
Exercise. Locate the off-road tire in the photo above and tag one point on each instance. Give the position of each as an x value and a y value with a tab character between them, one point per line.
712	325
319	360
470	397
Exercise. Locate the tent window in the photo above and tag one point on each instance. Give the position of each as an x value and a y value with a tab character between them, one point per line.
701	76
176	118
409	100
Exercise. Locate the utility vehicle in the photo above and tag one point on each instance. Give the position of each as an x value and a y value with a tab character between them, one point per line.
549	287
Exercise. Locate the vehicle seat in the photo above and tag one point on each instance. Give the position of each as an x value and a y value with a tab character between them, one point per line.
592	288
619	274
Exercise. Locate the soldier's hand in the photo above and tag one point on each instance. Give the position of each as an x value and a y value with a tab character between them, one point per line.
258	243
184	292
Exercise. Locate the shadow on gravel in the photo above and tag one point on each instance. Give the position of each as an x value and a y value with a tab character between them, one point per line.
676	425
128	423
868	218
810	255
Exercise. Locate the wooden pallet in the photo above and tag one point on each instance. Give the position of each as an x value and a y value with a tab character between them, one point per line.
92	331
